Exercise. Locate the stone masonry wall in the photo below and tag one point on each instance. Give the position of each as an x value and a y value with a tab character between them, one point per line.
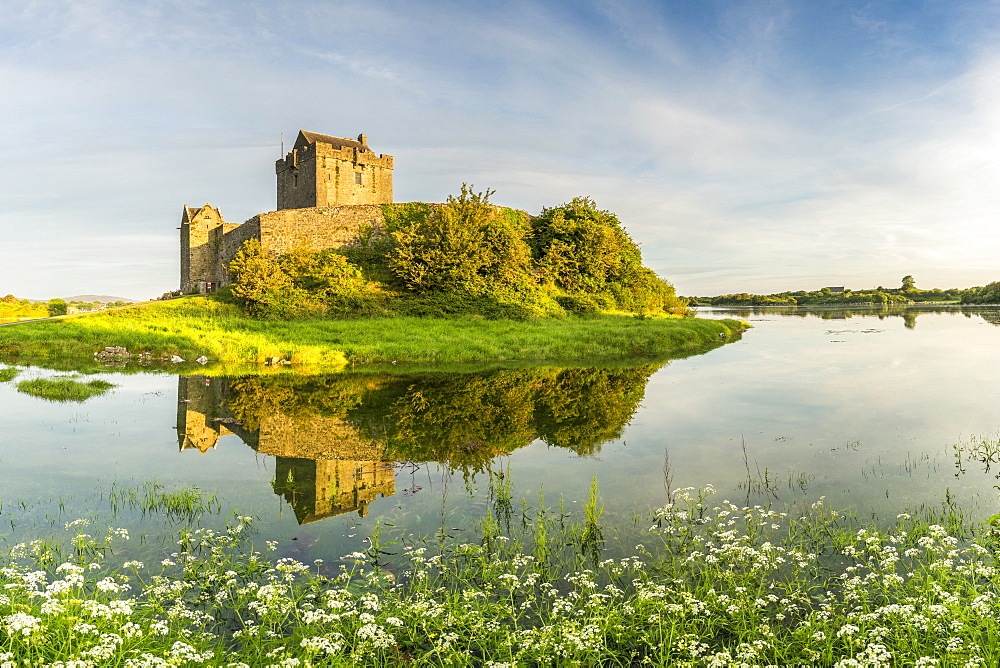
208	251
315	437
229	239
319	227
337	172
198	255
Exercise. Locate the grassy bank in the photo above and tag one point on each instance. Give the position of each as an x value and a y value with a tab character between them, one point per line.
712	584
196	326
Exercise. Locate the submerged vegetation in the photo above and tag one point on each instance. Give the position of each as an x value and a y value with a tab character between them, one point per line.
66	388
711	583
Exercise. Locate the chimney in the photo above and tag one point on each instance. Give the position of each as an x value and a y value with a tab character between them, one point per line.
363	139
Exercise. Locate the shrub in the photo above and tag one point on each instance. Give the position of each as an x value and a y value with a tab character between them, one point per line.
464	257
582	248
57	307
298	284
463	245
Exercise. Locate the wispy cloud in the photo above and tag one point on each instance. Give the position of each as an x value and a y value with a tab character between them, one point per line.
747	145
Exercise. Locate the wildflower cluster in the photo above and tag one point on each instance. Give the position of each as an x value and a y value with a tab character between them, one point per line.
712	584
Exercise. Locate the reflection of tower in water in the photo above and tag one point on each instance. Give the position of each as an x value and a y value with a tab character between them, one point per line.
200	413
323	468
321	488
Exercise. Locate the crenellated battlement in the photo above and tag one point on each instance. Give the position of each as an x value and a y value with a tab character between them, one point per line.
322	170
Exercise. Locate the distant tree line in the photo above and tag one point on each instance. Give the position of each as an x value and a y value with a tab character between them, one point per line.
906	293
11	307
988	294
463	257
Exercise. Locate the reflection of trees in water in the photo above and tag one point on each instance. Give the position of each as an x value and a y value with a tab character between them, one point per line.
908	312
462	419
991	316
335	437
254	398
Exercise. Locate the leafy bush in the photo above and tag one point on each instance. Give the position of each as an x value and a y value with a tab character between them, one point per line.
582	248
300	283
988	294
461	245
57	307
584	251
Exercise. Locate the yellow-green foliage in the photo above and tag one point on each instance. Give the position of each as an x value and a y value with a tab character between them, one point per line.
195	326
298	284
12	308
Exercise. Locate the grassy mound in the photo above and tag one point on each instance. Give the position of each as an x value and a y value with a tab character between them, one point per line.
196	326
64	389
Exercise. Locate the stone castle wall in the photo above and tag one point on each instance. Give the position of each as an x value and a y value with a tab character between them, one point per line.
228	239
315	437
318	228
198	255
208	246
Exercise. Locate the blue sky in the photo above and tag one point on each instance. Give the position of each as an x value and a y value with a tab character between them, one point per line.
747	145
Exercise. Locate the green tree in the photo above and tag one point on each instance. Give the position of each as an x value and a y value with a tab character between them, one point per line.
463	245
57	307
908	283
259	283
325	273
582	248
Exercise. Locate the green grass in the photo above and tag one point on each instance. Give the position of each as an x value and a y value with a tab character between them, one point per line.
8	374
710	584
64	389
196	326
187	503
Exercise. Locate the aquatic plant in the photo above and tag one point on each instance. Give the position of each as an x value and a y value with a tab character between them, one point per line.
64	388
187	503
8	374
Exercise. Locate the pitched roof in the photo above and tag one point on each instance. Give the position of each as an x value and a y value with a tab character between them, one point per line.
306	138
191	212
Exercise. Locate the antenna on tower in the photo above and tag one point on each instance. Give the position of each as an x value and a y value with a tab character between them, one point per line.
282	155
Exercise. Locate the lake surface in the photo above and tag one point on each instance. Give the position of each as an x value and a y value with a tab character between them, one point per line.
877	410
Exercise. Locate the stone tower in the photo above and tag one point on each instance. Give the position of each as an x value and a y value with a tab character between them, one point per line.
198	254
321	170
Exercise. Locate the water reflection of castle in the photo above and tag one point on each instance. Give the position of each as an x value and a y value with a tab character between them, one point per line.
335	437
323	468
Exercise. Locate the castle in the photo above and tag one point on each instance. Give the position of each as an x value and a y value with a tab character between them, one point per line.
329	189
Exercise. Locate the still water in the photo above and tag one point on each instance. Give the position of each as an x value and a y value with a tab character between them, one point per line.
877	410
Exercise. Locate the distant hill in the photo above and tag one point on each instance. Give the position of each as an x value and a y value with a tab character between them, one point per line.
104	299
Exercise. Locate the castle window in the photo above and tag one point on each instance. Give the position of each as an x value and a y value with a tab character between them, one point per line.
295	180
357	178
